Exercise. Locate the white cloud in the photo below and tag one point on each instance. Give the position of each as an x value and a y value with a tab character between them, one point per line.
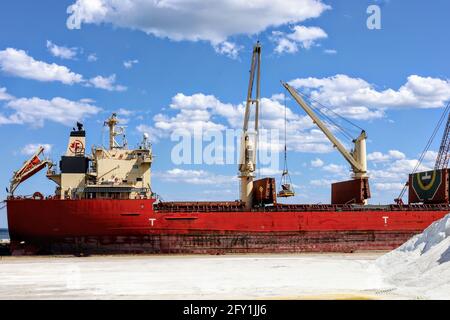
395	154
4	120
322	182
430	156
360	113
284	44
228	49
392	186
335	169
153	134
218	193
358	99
92	57
31	148
306	36
381	157
106	83
316	163
129	63
198	113
35	111
196	177
330	51
302	36
321	146
194	20
377	157
195	113
269	171
87	100
191	120
61	52
279	97
388	172
18	63
5	95
124	112
395	169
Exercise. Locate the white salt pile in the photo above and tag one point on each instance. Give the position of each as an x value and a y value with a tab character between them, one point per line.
421	266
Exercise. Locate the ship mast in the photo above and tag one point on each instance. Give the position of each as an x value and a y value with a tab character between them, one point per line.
247	162
112	122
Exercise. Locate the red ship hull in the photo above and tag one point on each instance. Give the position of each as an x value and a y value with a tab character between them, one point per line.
134	226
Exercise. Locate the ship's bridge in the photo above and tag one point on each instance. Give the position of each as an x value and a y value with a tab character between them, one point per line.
116	172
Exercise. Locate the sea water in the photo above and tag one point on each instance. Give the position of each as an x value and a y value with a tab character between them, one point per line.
4	234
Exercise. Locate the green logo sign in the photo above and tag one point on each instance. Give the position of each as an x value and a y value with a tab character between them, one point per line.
426	184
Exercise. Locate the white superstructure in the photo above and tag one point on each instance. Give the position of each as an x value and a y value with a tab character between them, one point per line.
115	172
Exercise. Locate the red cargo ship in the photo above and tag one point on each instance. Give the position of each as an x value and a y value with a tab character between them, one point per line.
136	226
104	204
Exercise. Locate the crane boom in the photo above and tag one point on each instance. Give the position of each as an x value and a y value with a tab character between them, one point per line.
357	157
247	161
255	67
28	169
444	150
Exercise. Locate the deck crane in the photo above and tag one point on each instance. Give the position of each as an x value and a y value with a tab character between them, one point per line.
247	161
356	158
444	150
28	169
442	158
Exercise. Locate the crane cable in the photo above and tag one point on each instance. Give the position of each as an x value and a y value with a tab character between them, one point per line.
258	133
285	135
337	114
285	177
427	147
329	119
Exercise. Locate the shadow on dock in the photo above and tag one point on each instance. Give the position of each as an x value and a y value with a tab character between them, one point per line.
4	248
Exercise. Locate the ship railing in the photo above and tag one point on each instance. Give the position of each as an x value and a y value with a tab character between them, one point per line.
236	207
34	196
193	207
421	207
313	207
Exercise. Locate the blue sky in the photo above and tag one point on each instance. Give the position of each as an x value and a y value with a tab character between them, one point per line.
172	64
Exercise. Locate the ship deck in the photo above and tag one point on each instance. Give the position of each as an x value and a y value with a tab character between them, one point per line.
237	206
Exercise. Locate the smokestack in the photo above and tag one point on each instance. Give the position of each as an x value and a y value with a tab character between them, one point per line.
77	142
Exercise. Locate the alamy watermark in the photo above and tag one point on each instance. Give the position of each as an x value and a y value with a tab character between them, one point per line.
212	147
374	19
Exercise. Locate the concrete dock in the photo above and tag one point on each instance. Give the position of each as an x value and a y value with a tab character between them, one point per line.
296	276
